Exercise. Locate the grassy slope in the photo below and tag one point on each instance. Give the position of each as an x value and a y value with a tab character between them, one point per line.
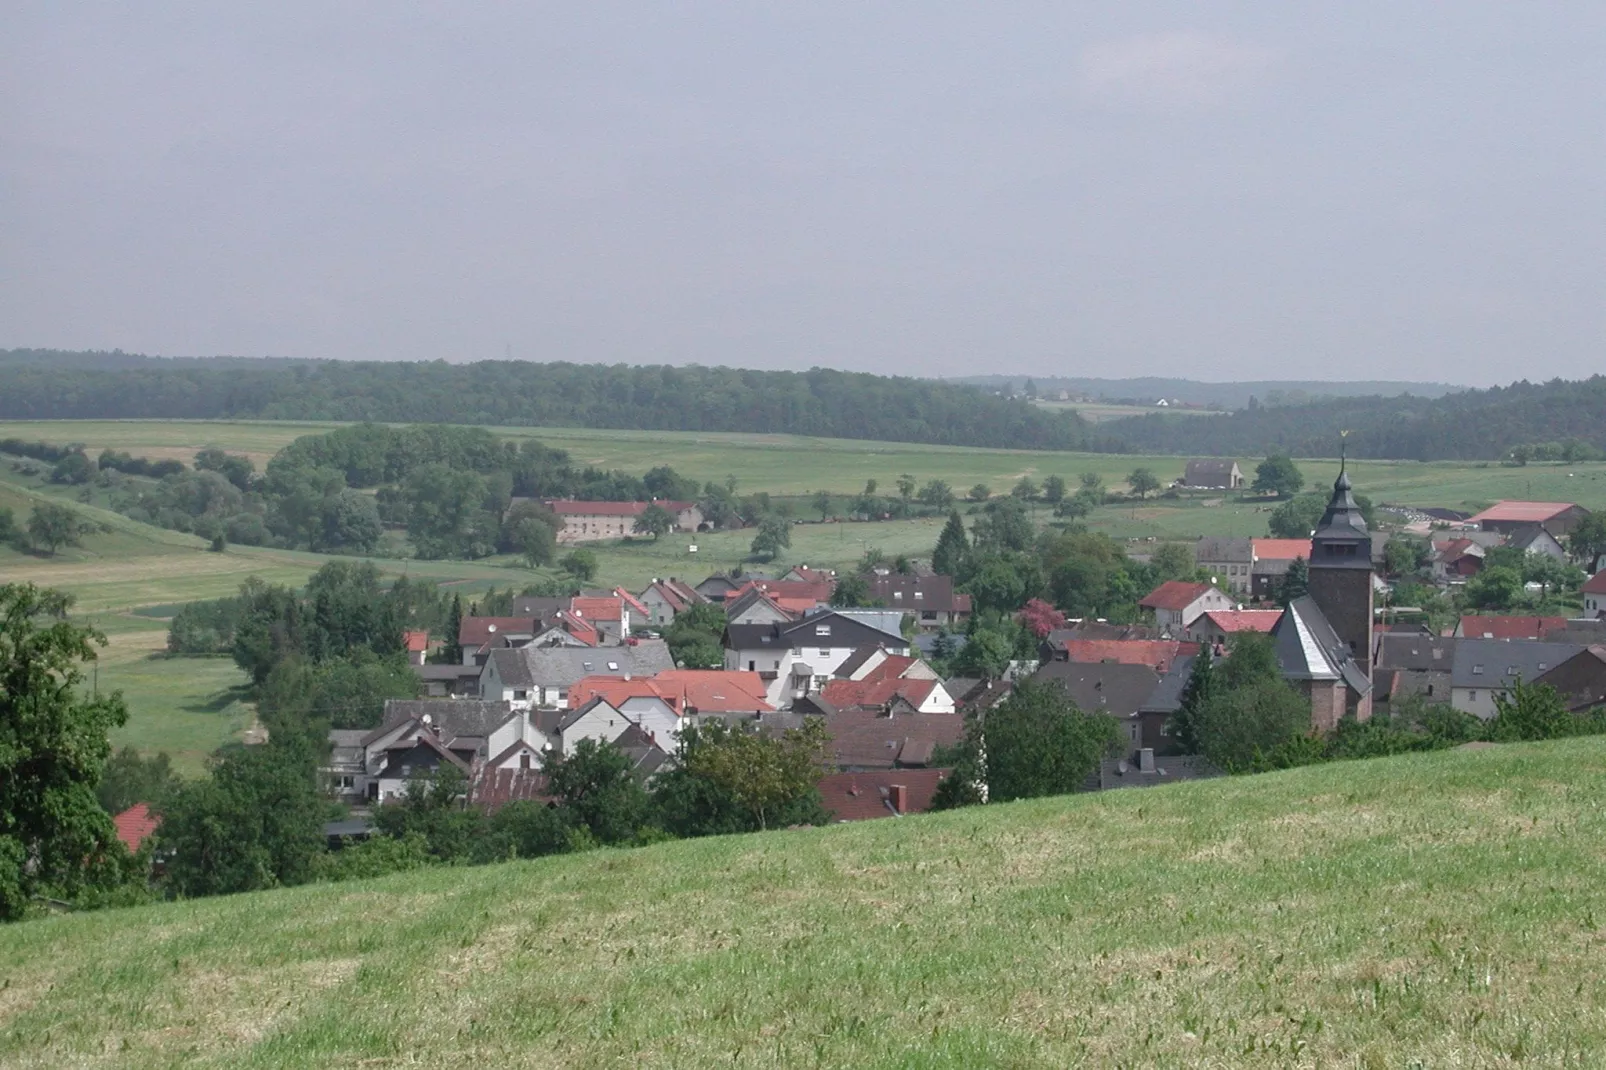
1438	910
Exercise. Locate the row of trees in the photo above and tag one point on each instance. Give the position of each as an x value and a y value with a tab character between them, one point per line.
819	402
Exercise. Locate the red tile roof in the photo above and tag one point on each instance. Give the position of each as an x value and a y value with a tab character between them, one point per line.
477	631
867	739
571	508
862	796
588	609
1596	584
632	601
875	693
814	592
1244	620
1476	627
1521	512
417	641
135	825
1280	549
1155	653
1175	594
703	690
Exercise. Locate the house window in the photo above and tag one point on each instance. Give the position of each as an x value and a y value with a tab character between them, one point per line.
563	695
822	629
919	595
797	652
524	761
824	653
520	696
1472	696
752	666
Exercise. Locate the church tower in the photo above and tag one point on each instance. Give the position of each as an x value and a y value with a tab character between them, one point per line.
1341	571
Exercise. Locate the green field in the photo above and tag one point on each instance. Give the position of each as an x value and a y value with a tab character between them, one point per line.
1426	911
790	464
1100	412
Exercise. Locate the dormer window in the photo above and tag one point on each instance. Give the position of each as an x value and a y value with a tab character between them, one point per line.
822	629
919	595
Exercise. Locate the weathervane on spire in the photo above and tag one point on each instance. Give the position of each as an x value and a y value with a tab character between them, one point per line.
1343	450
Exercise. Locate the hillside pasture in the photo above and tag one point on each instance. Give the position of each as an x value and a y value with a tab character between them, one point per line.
1430	910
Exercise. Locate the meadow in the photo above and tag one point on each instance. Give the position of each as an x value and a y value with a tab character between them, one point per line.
1430	910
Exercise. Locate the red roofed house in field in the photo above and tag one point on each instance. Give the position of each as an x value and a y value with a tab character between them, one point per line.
1177	604
1595	594
1456	559
1558	518
1536	628
888	793
135	825
591	521
1218	624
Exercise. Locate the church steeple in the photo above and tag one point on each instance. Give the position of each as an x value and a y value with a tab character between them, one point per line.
1341	571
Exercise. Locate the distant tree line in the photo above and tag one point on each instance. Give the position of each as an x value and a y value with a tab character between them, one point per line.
819	402
1559	420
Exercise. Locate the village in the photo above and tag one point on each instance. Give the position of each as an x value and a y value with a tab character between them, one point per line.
508	692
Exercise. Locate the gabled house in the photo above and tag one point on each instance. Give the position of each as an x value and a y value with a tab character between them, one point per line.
1230	561
805	574
1213	473
1157	654
931	599
416	644
719	586
1273	558
1454	560
136	825
873	679
1105	687
1216	626
541	677
418	737
1580	680
609	614
665	599
1594	592
478	636
753	606
1412	663
1486	669
1535	539
663	704
800	657
449	681
591	521
1177	603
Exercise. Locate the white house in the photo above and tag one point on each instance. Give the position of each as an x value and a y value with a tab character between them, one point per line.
541	677
1485	670
1176	604
1595	595
800	657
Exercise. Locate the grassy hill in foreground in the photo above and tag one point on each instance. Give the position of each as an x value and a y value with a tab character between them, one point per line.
1433	910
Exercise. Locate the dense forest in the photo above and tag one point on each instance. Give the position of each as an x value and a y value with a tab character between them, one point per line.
820	402
1235	395
1560	418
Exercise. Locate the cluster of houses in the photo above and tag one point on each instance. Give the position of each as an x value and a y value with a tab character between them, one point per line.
1461	543
562	670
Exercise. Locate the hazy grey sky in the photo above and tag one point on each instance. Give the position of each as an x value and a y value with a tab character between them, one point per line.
1279	189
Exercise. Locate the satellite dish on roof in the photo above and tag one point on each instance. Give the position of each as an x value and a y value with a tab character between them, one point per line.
490	627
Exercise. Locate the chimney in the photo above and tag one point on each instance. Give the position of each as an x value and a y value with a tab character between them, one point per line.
1146	760
900	798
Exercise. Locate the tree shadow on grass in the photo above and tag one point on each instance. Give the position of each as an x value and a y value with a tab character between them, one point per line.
222	700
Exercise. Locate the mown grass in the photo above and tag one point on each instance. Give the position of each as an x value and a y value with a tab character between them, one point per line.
1432	910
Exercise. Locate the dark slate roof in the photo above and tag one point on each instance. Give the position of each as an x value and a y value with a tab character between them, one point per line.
511	667
845	631
1098	629
1105	687
897	591
1499	663
1211	548
857	659
1167	694
1524	537
560	666
452	716
814	706
1308	648
537	606
1126	773
1208	472
1415	651
1341	525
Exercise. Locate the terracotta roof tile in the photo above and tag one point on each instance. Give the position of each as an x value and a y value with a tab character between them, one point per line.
863	796
135	825
1175	594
